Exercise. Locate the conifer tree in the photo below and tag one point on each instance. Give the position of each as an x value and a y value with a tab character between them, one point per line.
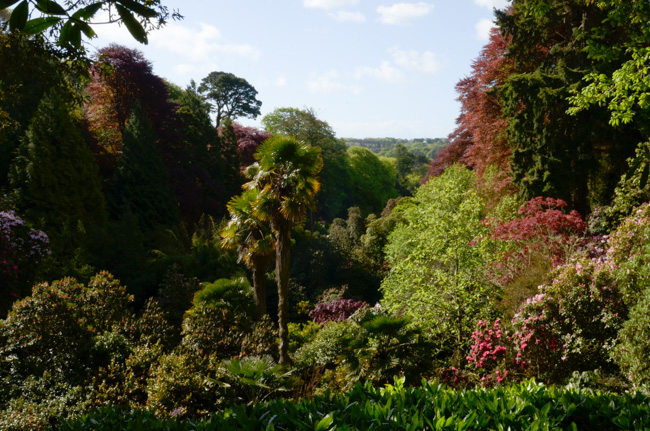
54	174
141	184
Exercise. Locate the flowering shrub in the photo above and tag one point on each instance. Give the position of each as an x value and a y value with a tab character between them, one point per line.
572	323
489	351
629	250
21	249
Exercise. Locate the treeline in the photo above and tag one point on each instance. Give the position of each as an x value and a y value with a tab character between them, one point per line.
426	147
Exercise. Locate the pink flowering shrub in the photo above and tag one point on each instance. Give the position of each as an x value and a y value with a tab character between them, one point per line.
629	251
488	352
572	324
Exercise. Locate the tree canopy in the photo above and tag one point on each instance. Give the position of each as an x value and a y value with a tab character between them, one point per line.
231	96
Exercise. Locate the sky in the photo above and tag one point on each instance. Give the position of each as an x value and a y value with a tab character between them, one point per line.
370	68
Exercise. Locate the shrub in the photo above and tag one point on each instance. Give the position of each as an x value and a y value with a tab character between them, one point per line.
488	353
337	310
633	352
572	323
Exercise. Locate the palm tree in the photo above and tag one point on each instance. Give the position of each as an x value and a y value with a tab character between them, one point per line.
286	176
252	239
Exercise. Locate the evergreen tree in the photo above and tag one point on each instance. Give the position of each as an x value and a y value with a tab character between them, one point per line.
54	174
141	184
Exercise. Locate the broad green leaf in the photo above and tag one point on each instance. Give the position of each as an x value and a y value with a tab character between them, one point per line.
19	16
324	423
138	8
6	3
37	25
87	12
50	7
70	34
132	24
87	30
633	167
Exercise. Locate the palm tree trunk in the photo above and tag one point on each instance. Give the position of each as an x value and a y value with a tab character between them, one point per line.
282	261
259	285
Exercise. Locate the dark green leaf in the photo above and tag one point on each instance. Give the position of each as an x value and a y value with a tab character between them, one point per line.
6	3
37	25
138	8
132	24
644	175
50	7
19	16
66	32
635	165
87	12
88	31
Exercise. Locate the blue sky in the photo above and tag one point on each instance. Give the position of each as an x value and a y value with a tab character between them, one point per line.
369	68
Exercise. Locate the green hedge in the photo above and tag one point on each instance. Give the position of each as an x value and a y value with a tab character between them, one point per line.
432	406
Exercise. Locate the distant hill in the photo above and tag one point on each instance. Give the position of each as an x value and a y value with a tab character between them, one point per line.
426	147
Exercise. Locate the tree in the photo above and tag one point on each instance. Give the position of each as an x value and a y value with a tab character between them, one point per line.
141	184
252	239
54	174
303	125
233	97
67	23
374	183
286	175
121	77
437	258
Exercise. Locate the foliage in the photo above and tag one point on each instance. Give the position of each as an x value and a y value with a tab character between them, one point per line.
21	250
181	386
572	323
426	147
233	96
488	352
286	175
141	183
374	183
335	310
248	139
257	379
54	176
431	406
633	350
68	22
306	127
253	240
437	261
541	232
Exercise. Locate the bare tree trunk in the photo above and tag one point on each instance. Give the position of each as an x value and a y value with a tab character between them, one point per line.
282	261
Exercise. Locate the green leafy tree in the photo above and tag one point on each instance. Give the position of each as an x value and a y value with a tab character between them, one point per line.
141	183
437	259
231	95
253	240
305	126
54	174
69	21
286	175
374	183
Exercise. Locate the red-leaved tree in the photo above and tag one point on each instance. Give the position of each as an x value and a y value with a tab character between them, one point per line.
479	139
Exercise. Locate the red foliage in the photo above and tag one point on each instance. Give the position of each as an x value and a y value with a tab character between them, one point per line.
120	77
479	139
248	139
338	309
543	228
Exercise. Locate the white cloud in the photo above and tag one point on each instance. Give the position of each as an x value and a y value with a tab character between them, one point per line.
403	13
329	82
328	4
345	15
281	81
483	28
426	63
491	4
385	72
200	44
